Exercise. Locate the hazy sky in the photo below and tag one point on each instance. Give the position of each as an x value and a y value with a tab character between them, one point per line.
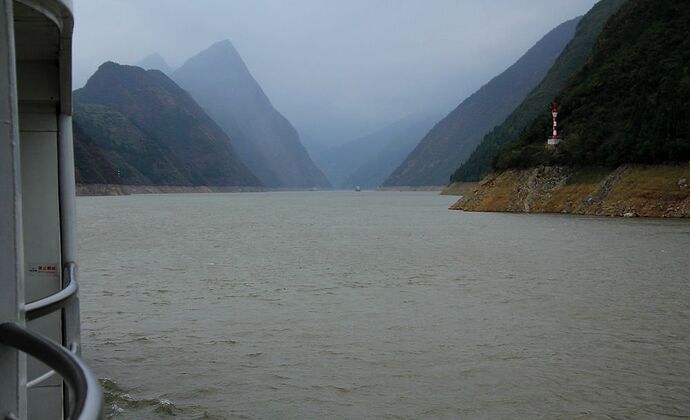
336	68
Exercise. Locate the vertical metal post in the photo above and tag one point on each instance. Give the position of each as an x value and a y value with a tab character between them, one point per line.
12	362
71	330
68	226
67	189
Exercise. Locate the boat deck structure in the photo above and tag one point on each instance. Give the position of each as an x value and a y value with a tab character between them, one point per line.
41	373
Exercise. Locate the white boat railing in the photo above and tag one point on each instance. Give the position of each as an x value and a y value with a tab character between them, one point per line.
86	398
52	303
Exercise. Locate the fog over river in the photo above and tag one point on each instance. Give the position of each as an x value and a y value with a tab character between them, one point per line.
380	305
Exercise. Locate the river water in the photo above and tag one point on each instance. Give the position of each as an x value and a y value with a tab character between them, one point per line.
380	305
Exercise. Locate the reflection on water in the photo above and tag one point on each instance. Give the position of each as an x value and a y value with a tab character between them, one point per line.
384	305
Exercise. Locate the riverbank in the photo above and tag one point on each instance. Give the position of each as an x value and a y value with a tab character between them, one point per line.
629	191
112	189
460	188
431	188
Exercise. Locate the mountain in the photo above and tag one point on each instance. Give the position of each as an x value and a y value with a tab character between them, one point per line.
624	124
155	62
629	104
367	161
265	140
398	140
91	164
573	57
454	138
314	147
150	132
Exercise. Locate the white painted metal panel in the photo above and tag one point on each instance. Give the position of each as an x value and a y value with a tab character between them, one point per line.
41	216
41	91
12	362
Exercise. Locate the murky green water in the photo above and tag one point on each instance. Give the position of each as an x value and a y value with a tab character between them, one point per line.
380	305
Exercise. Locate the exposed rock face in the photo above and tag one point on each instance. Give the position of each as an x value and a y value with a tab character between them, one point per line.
454	138
629	191
151	132
265	140
460	188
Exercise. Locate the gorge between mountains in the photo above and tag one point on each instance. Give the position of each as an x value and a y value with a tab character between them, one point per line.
261	233
209	126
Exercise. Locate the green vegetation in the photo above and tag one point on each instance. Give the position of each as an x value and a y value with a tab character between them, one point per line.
91	165
629	104
566	66
145	130
135	158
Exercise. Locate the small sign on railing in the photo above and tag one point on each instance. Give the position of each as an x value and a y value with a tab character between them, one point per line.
48	268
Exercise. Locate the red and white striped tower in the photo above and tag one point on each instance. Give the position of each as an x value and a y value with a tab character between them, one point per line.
554	140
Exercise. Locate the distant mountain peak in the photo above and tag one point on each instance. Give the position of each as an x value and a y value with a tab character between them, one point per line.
222	84
223	44
112	65
111	75
219	61
155	62
107	64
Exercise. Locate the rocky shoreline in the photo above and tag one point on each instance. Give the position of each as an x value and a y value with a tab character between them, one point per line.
628	191
460	188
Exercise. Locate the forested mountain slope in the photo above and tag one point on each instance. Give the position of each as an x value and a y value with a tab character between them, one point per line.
571	60
631	101
150	132
624	126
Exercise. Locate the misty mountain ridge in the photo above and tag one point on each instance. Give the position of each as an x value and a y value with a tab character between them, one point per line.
155	62
221	83
150	132
454	138
369	160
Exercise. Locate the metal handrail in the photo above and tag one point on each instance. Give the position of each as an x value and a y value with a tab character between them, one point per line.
40	379
52	303
88	399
